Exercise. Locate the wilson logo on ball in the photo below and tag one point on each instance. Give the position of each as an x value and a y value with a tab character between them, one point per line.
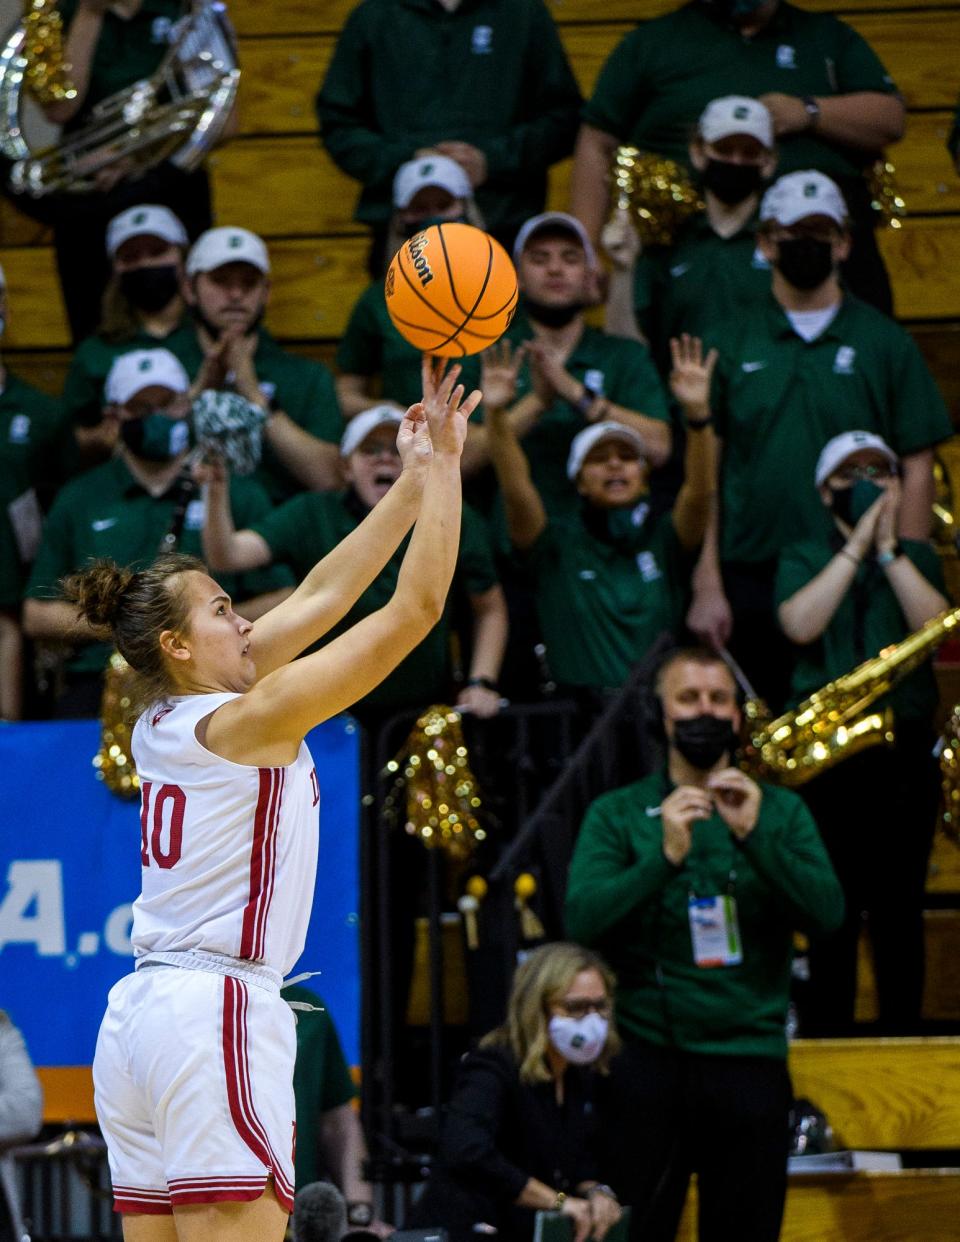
421	264
457	302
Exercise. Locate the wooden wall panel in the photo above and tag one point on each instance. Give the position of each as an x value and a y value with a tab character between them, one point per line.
923	257
883	1093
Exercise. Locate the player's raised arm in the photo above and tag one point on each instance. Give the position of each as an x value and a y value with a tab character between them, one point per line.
335	583
265	726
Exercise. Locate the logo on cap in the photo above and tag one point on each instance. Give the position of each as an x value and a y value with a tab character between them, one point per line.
146	364
810	190
235	242
426	170
741	112
140	217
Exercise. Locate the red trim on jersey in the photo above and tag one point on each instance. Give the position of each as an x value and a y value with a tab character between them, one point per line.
239	1093
263	855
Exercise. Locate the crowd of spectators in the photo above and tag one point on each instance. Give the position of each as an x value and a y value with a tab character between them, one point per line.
742	456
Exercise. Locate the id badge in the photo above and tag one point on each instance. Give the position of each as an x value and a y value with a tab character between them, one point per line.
714	931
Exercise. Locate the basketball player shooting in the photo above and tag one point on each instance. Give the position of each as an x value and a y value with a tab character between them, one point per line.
193	1072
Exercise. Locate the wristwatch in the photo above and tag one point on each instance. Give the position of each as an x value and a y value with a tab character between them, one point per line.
486	682
584	403
812	109
359	1214
889	555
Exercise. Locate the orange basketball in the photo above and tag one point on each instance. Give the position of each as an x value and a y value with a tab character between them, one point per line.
451	290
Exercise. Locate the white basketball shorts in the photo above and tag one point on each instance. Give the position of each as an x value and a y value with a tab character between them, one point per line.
193	1082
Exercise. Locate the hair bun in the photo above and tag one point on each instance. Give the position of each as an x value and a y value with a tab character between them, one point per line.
98	591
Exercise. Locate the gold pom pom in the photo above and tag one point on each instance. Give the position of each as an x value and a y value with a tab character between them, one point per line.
45	72
113	761
884	196
441	792
657	192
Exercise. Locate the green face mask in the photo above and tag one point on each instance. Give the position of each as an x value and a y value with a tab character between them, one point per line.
155	437
849	504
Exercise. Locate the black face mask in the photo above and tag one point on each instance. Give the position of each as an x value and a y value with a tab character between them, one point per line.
804	262
731	183
704	739
150	288
849	504
552	316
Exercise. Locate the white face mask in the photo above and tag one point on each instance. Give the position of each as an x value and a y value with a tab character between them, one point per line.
579	1040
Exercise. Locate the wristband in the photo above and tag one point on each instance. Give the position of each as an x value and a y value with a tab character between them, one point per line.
697	424
487	682
851	556
812	109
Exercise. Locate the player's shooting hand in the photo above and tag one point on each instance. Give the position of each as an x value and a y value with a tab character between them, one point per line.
678	812
737	799
413	440
500	368
445	406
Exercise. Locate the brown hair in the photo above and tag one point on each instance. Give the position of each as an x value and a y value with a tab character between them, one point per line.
136	606
689	655
540	980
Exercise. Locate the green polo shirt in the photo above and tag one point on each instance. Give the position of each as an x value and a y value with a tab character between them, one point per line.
605	592
778	399
868	619
321	1081
372	346
660	77
302	532
301	387
91	363
29	426
700	280
128	49
106	513
620	369
407	74
625	900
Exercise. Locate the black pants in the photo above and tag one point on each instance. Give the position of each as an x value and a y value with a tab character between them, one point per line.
721	1117
758	644
876	813
80	227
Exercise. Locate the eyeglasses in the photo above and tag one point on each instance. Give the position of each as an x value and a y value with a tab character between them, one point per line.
579	1008
378	450
853	474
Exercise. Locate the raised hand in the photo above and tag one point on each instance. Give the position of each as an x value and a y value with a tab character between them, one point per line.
710	617
691	375
888	519
620	240
500	368
413	439
865	533
445	407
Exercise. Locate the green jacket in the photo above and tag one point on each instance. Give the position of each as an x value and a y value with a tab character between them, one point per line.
625	900
407	74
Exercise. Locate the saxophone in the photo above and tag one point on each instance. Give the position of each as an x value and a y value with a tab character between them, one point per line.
834	722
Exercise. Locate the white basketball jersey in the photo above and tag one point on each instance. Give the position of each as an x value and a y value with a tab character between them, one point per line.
228	852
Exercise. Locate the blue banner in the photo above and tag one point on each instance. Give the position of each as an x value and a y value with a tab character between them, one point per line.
70	869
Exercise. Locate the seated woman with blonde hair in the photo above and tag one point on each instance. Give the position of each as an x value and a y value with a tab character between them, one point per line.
521	1130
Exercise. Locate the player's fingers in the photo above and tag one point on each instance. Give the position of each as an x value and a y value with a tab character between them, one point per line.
471	403
449	381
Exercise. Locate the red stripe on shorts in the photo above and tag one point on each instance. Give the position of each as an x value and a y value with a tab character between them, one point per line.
141	1200
273	825
239	1094
259	862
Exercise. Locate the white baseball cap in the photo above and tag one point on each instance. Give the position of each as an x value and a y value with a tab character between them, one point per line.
438	170
217	247
836	451
801	194
554	219
146	220
736	114
141	368
585	440
366	421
